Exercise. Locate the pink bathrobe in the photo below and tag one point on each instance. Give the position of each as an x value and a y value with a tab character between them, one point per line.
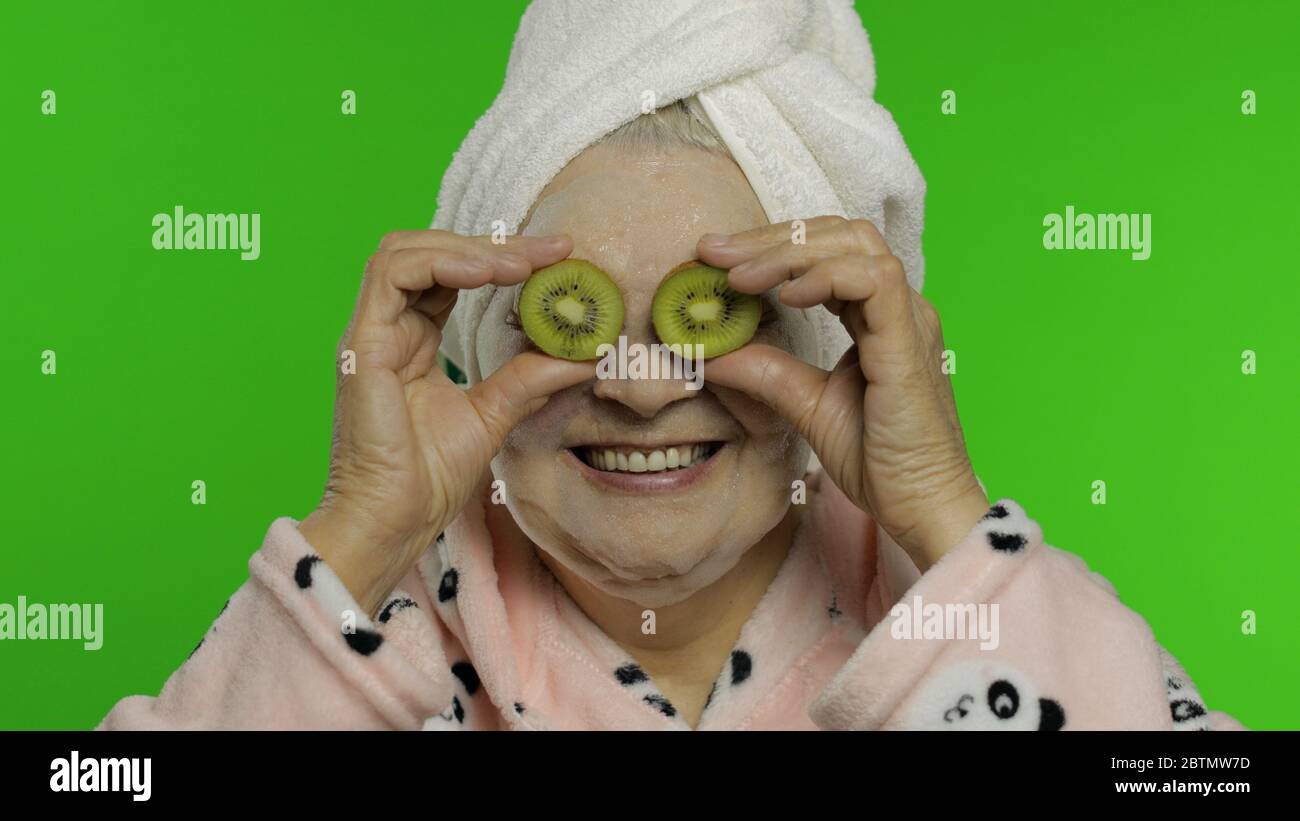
481	636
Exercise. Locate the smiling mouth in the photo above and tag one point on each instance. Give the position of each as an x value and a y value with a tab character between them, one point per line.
622	459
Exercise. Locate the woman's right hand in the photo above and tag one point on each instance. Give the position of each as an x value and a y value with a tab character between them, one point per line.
410	445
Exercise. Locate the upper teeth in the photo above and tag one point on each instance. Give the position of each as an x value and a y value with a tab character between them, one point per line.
639	461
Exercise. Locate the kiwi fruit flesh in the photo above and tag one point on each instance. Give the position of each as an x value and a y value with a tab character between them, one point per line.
570	309
694	305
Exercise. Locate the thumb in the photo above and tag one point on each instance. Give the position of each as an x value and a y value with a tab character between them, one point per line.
521	387
783	382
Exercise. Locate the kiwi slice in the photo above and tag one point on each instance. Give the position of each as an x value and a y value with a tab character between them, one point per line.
570	309
695	306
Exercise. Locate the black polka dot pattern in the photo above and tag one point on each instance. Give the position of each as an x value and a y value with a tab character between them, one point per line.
1006	542
1003	542
395	606
661	704
364	641
997	512
1184	709
468	676
448	586
630	674
742	666
519	708
302	573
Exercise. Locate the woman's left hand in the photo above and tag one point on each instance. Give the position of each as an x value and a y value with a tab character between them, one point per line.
883	422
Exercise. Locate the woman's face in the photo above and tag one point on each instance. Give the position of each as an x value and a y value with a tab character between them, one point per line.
652	537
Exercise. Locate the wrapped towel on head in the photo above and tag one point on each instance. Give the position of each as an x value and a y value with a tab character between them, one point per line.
787	84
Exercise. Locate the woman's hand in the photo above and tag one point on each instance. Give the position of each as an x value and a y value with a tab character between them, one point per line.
883	422
410	446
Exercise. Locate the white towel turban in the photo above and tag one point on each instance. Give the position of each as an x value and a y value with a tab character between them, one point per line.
787	84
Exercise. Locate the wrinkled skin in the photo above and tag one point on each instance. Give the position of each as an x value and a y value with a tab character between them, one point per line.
409	447
636	217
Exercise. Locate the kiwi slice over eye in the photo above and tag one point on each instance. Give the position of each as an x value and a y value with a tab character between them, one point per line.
570	309
695	306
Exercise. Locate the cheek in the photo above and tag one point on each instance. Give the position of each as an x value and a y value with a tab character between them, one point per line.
529	464
539	435
758	420
531	461
773	451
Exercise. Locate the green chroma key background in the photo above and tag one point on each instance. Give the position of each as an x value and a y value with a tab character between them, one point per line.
1072	366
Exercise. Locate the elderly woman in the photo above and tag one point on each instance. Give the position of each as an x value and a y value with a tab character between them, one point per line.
800	544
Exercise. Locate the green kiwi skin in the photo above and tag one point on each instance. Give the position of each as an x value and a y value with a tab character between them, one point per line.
594	288
745	312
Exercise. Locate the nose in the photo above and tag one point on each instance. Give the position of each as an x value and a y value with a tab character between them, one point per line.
645	396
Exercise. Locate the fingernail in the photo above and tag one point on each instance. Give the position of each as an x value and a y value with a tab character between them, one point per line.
743	268
715	239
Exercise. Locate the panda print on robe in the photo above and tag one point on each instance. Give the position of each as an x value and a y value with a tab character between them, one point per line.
982	695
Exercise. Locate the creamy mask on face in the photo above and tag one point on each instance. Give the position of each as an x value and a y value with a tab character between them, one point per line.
637	217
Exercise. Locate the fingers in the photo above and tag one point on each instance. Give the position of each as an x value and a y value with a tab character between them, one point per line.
779	264
840	261
877	282
532	247
729	250
521	387
832	278
435	304
512	259
410	262
785	383
763	257
928	320
786	261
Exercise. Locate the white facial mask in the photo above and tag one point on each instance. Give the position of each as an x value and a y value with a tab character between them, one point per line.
637	219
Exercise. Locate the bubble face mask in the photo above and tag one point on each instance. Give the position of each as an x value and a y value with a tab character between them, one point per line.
656	536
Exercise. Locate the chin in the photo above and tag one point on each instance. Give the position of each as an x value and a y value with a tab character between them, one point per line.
661	543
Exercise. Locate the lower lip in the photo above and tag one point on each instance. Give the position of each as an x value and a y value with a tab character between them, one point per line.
665	481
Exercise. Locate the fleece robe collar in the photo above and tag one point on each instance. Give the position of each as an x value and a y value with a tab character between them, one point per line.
546	665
